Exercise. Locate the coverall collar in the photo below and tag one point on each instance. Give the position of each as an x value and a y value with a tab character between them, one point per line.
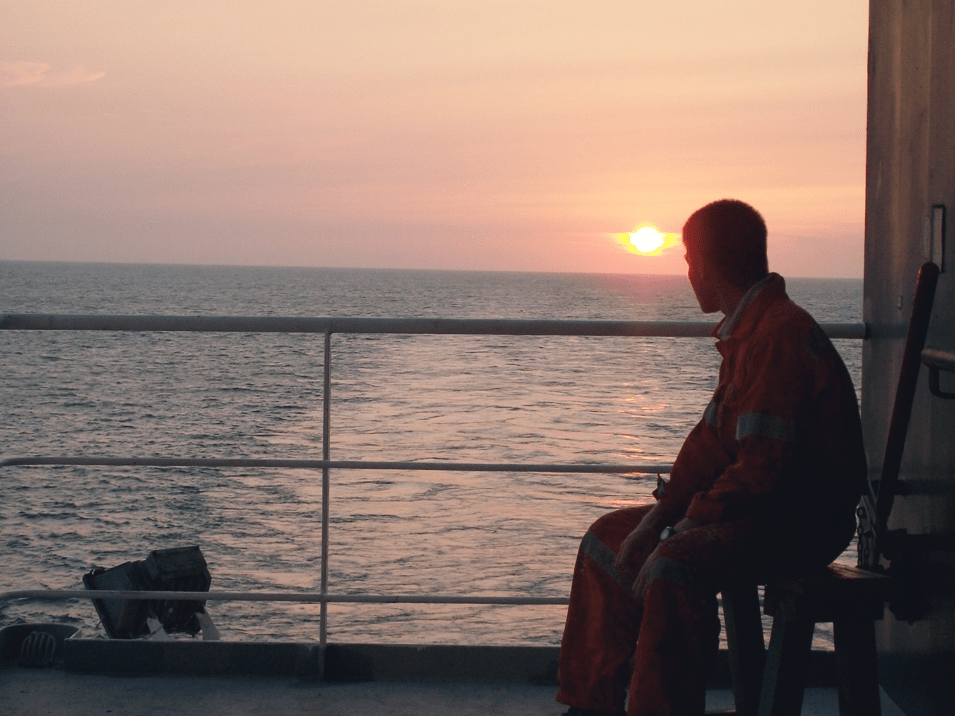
752	305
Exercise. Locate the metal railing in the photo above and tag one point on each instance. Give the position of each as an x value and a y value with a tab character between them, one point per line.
329	326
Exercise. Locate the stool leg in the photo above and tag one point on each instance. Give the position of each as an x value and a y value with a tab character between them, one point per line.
858	668
744	640
784	680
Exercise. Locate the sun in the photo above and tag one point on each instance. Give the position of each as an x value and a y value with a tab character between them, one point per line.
647	239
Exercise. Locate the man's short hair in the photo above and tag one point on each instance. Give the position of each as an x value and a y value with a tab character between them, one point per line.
730	236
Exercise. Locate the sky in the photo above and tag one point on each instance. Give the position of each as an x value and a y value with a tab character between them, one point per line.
512	135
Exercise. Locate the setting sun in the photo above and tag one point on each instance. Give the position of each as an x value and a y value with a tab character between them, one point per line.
647	239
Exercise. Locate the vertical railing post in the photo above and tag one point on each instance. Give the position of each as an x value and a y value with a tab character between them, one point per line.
326	435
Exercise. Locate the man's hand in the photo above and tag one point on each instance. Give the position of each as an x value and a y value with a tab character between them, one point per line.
642	579
634	551
638	545
686	524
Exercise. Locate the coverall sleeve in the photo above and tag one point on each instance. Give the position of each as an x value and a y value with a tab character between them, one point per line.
700	461
760	420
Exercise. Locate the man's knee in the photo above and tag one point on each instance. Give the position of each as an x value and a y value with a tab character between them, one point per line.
613	527
684	574
600	546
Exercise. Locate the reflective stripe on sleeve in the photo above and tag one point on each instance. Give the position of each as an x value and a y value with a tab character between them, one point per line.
710	414
767	426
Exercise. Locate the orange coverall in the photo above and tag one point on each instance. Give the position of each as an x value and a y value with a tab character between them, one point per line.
773	472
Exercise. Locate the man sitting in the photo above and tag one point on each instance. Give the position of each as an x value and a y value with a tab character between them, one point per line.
768	480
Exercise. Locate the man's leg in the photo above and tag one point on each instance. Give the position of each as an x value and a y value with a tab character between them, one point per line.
602	619
679	640
679	636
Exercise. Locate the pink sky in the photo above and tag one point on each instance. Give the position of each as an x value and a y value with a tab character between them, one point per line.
451	134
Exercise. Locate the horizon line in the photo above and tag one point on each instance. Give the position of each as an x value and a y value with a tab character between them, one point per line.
386	268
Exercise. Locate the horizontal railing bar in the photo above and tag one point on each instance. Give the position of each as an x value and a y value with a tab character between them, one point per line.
299	597
303	597
586	467
445	326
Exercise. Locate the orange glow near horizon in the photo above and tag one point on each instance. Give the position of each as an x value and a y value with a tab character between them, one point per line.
647	240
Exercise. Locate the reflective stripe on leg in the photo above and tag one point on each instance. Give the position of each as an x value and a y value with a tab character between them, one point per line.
603	557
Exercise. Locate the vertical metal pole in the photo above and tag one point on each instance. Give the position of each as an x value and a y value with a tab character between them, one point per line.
326	434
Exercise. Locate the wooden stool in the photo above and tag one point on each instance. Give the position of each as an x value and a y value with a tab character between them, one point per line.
772	684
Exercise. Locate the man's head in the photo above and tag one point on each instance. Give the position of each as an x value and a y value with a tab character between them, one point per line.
728	237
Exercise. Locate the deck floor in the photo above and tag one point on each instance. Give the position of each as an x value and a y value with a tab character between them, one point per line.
48	692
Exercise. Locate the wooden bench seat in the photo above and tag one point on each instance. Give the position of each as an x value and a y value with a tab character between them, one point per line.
771	683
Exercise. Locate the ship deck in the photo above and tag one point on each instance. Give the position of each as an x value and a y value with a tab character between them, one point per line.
95	677
52	692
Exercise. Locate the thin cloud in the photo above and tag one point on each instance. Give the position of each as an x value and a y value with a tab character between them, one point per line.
22	73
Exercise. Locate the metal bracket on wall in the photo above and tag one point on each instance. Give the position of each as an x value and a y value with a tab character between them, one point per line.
937	361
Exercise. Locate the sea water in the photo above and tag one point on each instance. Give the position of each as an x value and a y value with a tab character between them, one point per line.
398	398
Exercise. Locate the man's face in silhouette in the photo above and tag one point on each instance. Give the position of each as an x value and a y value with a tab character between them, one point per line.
702	279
